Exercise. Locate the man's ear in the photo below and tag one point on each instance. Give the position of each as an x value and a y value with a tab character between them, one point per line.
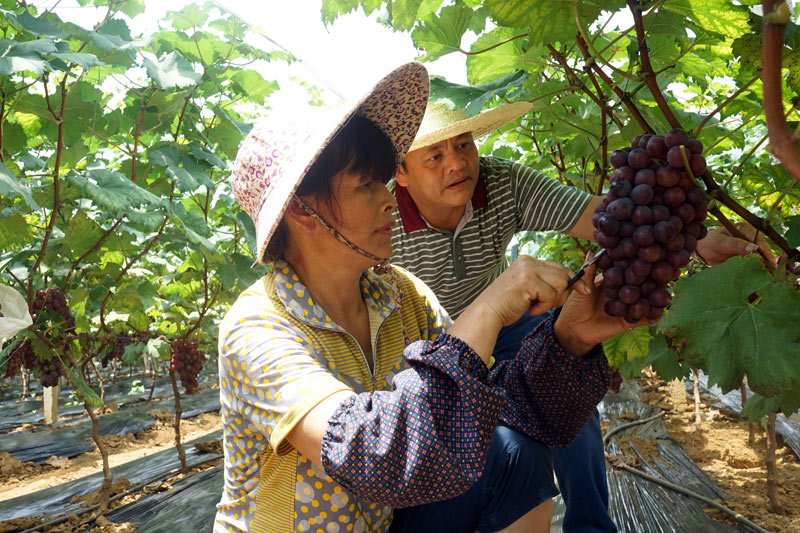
298	216
400	176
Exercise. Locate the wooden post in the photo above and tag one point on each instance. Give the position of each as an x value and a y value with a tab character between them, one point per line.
50	399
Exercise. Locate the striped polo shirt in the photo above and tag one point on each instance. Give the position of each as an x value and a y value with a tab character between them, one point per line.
508	198
280	354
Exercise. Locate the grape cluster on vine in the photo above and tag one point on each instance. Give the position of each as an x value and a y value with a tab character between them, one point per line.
649	222
25	356
52	299
118	345
187	360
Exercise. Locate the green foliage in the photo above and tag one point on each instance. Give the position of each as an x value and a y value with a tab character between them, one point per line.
627	351
113	174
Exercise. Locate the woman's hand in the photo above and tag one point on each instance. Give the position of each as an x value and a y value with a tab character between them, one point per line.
719	245
583	321
528	285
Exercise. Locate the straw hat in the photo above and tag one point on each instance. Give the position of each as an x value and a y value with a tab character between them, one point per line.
441	123
278	152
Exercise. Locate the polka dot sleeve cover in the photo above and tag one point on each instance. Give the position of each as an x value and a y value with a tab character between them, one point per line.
424	441
550	393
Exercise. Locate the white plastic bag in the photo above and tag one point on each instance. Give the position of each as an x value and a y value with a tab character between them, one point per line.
15	312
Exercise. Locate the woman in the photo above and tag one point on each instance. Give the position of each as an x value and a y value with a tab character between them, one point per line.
328	423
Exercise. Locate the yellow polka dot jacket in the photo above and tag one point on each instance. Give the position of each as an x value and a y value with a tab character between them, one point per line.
417	427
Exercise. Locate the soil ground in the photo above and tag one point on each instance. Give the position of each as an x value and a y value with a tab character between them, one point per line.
720	448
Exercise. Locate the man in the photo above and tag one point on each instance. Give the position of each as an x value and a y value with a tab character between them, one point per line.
457	213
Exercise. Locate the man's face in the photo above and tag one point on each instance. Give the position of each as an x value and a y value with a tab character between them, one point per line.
442	175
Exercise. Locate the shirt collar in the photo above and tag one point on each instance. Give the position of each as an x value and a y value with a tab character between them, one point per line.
294	296
409	212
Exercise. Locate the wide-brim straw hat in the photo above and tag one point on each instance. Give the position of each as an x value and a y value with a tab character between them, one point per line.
278	152
441	123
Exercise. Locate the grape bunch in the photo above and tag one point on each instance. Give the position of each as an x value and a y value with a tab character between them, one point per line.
15	360
649	222
52	299
24	355
118	345
187	360
50	371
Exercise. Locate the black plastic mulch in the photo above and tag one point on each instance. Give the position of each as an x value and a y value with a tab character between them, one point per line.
189	506
75	437
637	504
53	502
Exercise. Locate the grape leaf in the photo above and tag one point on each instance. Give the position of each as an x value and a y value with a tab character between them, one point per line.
664	360
627	351
113	191
549	20
38	25
731	337
171	71
10	186
495	60
793	233
720	16
438	35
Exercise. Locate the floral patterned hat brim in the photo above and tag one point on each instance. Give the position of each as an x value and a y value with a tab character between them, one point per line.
277	153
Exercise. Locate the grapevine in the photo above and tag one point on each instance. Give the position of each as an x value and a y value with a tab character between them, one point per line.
187	360
649	222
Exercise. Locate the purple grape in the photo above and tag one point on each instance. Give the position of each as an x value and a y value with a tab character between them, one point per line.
660	213
596	217
638	159
622	263
640	267
700	214
616	308
667	176
702	233
629	294
652	253
607	241
623	173
632	278
685	212
676	221
643	236
678	259
645	177
690	244
664	231
660	297
635	141
656	147
674	196
685	182
675	137
614	253
698	164
610	293
674	157
694	146
676	274
618	158
637	311
614	277
621	208
628	248
599	210
675	244
661	272
648	286
608	224
605	201
641	215
644	140
626	228
642	194
606	262
692	229
695	196
620	189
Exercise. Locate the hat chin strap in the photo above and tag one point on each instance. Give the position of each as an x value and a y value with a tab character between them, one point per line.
383	266
383	263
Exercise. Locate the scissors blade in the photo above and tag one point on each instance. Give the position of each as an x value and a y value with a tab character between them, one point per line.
579	274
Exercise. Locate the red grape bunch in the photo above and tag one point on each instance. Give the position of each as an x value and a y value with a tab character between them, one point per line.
15	360
24	355
649	222
53	299
120	342
187	360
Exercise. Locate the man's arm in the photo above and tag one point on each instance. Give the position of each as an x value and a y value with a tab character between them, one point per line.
583	227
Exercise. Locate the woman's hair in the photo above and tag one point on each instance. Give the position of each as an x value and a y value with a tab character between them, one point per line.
360	147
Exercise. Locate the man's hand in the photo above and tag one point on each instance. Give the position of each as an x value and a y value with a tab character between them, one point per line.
583	321
719	245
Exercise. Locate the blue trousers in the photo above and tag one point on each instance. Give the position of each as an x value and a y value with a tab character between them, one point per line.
518	475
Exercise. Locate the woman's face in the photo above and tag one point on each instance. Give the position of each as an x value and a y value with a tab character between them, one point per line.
363	214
